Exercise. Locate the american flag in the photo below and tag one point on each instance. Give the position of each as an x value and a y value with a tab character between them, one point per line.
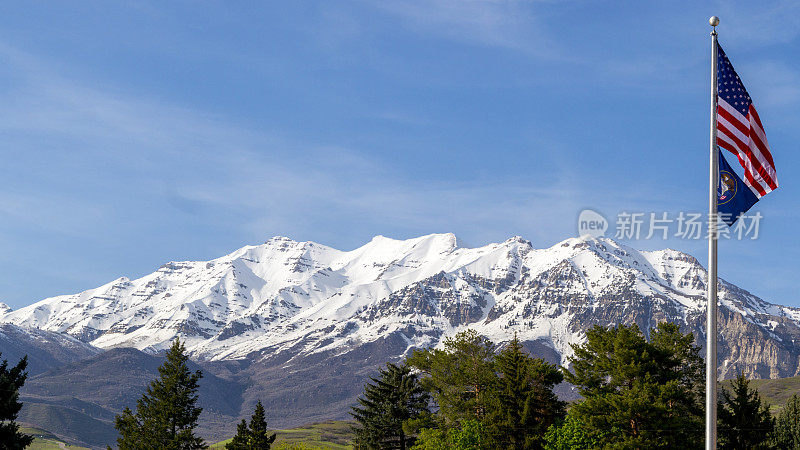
739	129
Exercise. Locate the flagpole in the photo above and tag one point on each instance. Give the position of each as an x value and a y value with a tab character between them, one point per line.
711	319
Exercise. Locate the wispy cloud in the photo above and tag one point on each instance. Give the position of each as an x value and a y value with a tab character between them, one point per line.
215	169
503	24
257	183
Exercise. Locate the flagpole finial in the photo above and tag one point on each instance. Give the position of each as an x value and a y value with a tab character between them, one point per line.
713	21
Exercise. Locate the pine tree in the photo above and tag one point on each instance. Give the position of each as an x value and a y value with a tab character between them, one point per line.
638	394
260	437
256	437
167	413
390	400
526	405
241	440
513	392
11	380
744	420
787	426
460	377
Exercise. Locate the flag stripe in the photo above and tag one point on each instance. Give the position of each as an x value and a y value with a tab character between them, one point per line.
755	164
751	184
751	176
730	123
758	130
745	153
728	115
763	151
755	116
725	143
750	133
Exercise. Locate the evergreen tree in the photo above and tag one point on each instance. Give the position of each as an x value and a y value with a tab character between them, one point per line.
260	437
11	380
256	437
241	439
460	377
167	413
639	394
526	405
390	400
787	427
744	420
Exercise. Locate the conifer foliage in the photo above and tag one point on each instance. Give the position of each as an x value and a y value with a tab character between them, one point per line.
527	406
389	400
167	413
639	394
254	437
11	380
242	438
460	377
509	394
744	419
787	427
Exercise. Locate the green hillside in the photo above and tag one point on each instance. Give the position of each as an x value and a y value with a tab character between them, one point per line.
334	435
44	440
777	391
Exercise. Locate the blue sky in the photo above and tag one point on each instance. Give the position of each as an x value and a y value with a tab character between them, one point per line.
138	133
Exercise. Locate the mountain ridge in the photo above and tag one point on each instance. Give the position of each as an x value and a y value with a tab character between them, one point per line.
45	349
306	298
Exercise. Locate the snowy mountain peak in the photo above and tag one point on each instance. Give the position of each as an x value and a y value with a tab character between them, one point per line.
4	308
307	298
436	240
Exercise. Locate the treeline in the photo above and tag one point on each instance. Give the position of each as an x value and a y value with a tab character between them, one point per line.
637	393
165	418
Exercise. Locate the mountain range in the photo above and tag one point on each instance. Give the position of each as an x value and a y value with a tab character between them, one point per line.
300	325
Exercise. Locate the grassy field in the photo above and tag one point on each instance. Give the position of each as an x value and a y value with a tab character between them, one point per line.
44	440
776	392
334	435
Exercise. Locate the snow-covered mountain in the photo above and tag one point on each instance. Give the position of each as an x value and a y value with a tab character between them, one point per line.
4	308
285	299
